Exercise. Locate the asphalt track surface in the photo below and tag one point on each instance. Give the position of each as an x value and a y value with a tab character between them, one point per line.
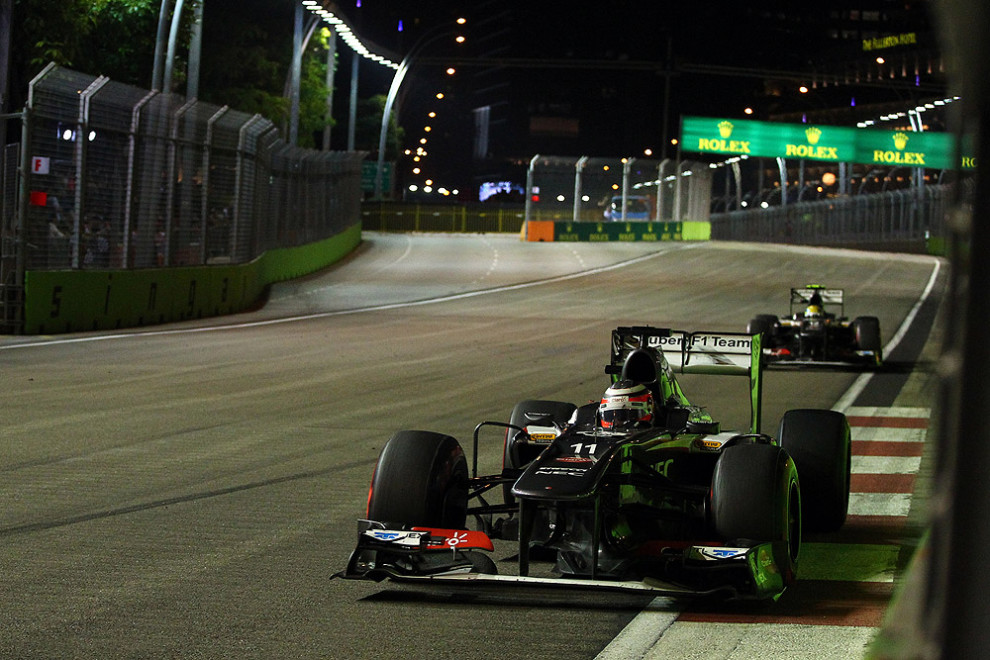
186	491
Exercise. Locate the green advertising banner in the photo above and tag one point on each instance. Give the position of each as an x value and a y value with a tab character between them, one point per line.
760	139
618	231
904	148
767	140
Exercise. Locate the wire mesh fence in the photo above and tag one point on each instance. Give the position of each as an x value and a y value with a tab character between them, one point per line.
449	218
587	189
912	219
121	177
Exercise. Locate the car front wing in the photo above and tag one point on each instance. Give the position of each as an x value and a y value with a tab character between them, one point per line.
439	557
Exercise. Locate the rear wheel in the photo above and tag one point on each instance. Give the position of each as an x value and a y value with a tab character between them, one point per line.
420	479
765	324
819	442
531	411
866	334
518	455
756	499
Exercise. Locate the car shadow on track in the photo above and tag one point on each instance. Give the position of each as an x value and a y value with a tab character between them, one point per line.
513	597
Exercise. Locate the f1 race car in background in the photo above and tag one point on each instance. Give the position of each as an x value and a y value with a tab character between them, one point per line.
813	333
643	492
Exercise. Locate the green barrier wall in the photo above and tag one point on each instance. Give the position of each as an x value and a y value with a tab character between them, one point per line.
632	231
74	300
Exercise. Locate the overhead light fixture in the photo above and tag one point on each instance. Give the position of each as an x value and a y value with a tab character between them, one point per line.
347	34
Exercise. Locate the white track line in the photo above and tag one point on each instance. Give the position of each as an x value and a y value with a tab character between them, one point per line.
864	379
344	312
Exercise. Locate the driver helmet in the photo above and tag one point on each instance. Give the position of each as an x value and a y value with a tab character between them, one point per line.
624	404
814	306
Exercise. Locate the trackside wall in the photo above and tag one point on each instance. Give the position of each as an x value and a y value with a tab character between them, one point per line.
60	301
162	208
545	230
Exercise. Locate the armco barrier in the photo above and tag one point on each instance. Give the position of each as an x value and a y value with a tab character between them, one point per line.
60	301
544	230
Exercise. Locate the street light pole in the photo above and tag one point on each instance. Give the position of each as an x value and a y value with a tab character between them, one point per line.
331	65
195	51
393	93
6	13
173	37
295	74
160	39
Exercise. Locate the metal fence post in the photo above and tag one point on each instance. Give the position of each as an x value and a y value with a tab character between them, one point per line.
578	169
529	189
626	166
81	140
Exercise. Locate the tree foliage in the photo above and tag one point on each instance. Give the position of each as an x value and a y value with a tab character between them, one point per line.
246	55
368	128
115	38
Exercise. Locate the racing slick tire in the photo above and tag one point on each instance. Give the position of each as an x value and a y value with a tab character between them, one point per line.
756	498
819	442
518	455
481	563
866	334
421	479
765	324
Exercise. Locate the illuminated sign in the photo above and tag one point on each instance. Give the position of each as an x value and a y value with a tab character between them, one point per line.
757	138
890	41
905	148
762	139
766	139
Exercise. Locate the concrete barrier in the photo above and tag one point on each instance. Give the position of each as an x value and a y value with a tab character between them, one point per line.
59	301
546	230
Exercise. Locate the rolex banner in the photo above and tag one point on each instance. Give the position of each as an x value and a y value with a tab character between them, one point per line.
760	139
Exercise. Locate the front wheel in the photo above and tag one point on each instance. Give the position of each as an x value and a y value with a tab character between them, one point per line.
819	442
756	499
866	334
421	479
763	324
517	455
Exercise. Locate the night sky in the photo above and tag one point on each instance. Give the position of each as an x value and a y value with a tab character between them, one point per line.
603	65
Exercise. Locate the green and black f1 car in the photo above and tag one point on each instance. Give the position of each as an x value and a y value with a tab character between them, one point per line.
643	492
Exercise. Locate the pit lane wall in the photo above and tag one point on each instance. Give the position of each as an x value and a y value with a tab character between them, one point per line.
546	231
59	301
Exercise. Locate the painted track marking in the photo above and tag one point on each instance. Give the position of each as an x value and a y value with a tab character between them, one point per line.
847	578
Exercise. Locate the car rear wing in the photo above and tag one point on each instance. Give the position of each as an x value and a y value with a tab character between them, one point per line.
801	297
703	352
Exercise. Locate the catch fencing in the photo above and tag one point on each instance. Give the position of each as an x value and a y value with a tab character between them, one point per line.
446	218
912	220
629	190
118	177
587	189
